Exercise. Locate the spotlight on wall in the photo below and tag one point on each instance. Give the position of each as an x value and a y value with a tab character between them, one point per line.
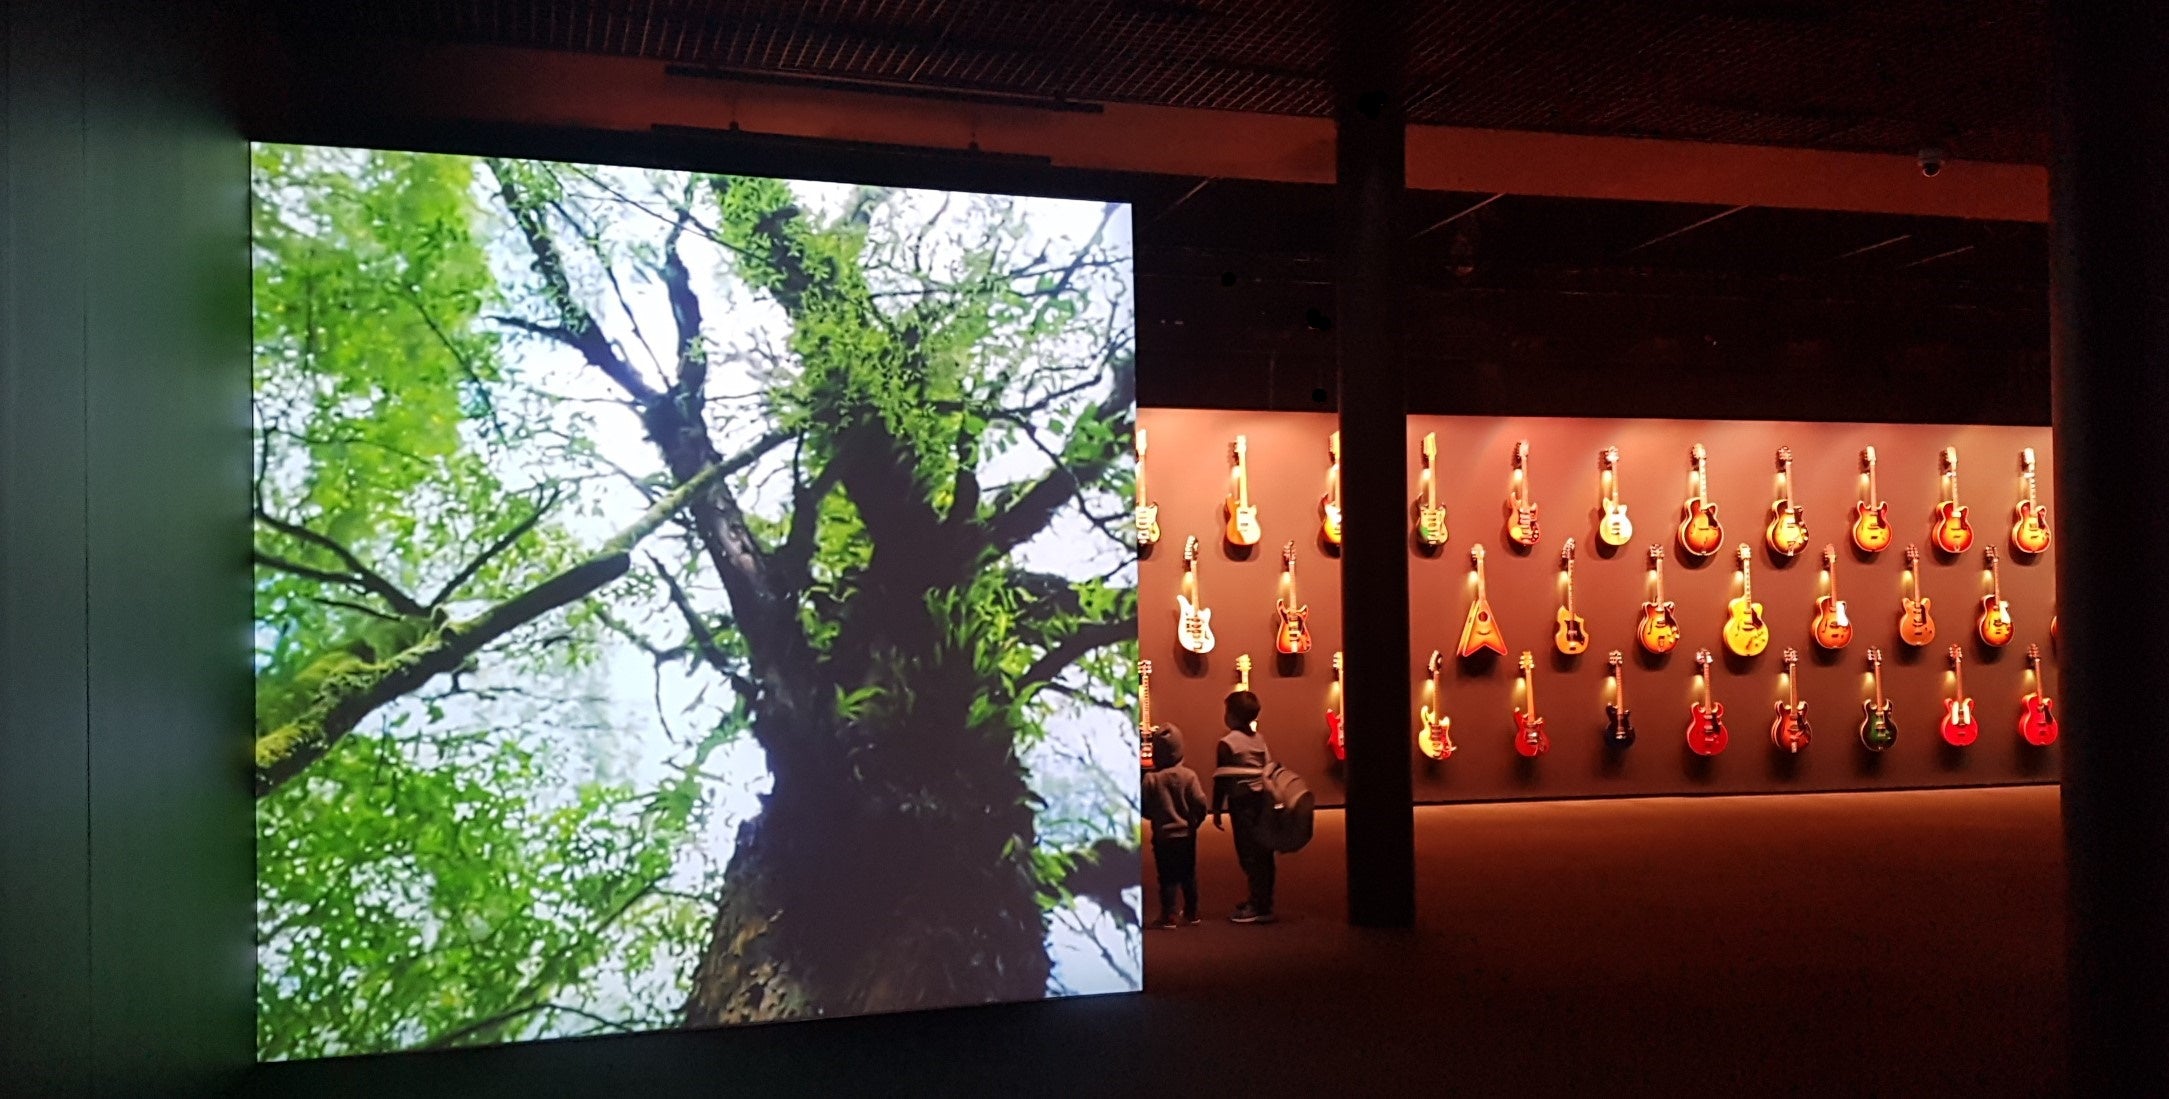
1931	161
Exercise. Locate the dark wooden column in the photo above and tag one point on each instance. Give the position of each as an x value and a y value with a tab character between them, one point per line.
1372	169
2109	232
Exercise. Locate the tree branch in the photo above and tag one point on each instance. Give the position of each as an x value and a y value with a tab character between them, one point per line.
1069	650
358	574
1036	507
702	638
519	530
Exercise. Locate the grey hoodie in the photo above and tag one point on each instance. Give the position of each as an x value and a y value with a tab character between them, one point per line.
1174	798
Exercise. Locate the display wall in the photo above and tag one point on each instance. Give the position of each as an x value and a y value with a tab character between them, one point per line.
1188	466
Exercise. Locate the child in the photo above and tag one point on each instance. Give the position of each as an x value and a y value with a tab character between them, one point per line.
1175	804
1239	789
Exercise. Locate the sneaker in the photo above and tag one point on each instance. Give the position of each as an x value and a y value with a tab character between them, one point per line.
1263	917
1192	919
1162	924
1243	914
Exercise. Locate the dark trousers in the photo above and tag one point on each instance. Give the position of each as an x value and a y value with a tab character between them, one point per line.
1255	857
1174	862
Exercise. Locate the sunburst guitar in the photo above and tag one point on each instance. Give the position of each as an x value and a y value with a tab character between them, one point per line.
1953	531
1699	532
2030	529
1572	637
1787	532
1916	623
1658	628
1329	505
1832	628
1292	636
1996	627
1871	516
1747	633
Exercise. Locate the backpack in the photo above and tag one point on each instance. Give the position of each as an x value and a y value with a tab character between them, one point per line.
1285	825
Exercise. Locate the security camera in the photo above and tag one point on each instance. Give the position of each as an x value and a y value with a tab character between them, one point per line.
1931	161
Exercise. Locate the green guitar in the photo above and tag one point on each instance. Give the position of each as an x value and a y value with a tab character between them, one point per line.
1878	730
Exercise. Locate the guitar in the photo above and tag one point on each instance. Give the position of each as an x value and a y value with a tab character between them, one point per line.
1995	612
1529	738
1878	730
1435	738
1787	532
1195	630
1521	526
1706	732
1293	636
1953	532
1618	720
1242	514
1659	629
1481	631
1699	533
1871	521
1334	730
1614	528
1144	714
1789	731
1746	633
1573	635
1242	674
1916	627
1959	726
1832	629
2037	722
1147	515
2030	532
1329	505
1430	517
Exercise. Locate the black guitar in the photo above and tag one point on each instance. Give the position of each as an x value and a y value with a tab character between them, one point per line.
1618	720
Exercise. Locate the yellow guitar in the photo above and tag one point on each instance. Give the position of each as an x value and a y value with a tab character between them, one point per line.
1430	517
1147	515
1242	514
1435	737
1746	633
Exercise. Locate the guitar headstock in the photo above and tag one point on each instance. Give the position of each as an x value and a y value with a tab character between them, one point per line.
1144	669
1476	554
1140	444
1830	556
1611	457
1912	558
1698	455
1957	655
1242	672
1287	557
1336	665
1991	557
1875	658
1791	658
1784	457
1333	447
2025	461
1242	449
1521	454
1430	447
1189	552
1702	661
1950	460
2033	655
1744	554
1528	663
1615	660
1438	661
1566	552
1867	457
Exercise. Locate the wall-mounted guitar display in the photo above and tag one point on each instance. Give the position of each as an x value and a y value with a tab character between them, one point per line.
2030	529
1481	631
1832	629
1613	526
1952	532
1243	529
1529	737
1195	628
1329	505
1699	532
1430	517
1786	533
1706	732
1789	732
1434	730
1871	515
1572	637
1147	515
1521	526
1292	637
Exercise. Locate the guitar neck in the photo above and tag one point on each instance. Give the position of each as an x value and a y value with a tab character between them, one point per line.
1871	485
1144	705
1570	587
1528	676
1242	481
1430	482
1879	704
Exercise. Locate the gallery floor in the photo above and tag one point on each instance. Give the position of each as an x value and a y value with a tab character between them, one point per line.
1887	943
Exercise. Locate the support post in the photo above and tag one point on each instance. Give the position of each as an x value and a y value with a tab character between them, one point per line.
1370	130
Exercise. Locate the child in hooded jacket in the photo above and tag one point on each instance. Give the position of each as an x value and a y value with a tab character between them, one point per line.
1175	804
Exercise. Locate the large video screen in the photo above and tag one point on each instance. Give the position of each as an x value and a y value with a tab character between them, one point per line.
683	600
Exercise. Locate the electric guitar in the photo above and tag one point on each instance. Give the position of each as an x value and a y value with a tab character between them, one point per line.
1529	738
1293	636
1147	514
2037	723
1658	630
1787	532
1573	634
1329	505
1334	730
1878	730
1789	731
1614	528
1706	732
1242	514
2030	532
1699	533
1481	631
1832	629
1746	632
1430	517
1916	627
1995	612
1618	720
1953	532
1871	521
1959	726
1435	738
1521	526
1144	714
1195	631
1242	674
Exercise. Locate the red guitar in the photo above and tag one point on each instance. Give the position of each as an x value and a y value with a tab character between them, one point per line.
1959	727
1789	730
1529	738
2038	721
1293	636
1333	734
1706	732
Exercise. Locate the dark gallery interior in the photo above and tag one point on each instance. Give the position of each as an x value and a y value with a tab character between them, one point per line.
700	502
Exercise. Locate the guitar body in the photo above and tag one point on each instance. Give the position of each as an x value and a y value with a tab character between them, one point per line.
1659	630
1435	740
1699	533
1572	637
1996	626
1790	731
1746	634
1330	520
1431	525
1195	633
1871	527
1522	527
2031	532
1481	631
1615	529
1953	532
1242	527
1832	629
1878	730
1148	524
1706	732
2038	723
1333	737
1916	627
1787	533
1959	726
1293	636
1618	726
1529	737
